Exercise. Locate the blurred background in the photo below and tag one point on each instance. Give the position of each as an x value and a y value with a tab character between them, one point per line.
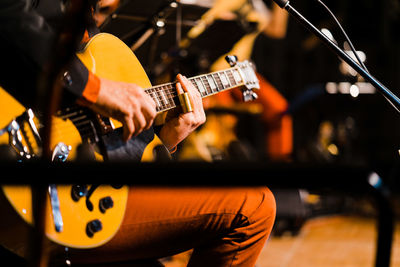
314	116
312	108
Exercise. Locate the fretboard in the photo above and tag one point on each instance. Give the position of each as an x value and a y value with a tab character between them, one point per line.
166	98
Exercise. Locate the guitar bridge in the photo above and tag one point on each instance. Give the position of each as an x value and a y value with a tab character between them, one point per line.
24	136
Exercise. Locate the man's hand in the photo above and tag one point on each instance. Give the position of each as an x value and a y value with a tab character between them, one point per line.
127	103
179	127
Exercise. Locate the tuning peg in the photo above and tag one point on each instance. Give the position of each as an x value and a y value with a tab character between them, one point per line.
232	60
249	95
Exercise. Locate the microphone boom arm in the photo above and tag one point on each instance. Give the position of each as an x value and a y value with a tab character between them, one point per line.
385	234
390	96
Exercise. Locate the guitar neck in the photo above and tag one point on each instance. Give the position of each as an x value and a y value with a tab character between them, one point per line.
165	95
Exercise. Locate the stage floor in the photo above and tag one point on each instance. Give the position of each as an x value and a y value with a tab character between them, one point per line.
329	241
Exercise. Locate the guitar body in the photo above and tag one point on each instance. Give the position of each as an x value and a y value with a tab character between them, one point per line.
118	64
75	215
106	56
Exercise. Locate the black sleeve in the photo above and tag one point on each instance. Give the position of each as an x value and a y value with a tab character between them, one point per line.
26	43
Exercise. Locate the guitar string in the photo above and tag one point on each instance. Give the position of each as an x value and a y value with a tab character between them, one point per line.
208	89
83	127
230	78
170	93
165	92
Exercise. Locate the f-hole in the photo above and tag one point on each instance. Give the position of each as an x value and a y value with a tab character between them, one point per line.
89	204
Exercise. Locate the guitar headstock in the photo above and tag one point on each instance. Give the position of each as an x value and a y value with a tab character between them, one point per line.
249	77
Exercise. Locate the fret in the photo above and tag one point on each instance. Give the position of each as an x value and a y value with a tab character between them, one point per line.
165	99
224	79
170	94
193	80
167	95
237	77
212	84
200	86
207	85
217	80
153	95
160	98
204	85
231	79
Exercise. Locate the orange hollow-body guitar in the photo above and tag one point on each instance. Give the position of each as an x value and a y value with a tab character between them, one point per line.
69	219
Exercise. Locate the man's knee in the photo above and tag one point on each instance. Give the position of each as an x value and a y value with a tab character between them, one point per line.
264	211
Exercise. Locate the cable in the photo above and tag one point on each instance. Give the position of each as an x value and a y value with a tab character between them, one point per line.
352	48
345	35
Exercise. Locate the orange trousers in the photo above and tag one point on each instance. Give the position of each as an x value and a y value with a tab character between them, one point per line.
224	226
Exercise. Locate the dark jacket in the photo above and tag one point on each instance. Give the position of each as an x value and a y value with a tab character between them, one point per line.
28	30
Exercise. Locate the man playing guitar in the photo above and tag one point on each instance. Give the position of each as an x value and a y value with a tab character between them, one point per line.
223	226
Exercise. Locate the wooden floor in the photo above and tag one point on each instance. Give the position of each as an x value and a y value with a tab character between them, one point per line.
329	241
332	241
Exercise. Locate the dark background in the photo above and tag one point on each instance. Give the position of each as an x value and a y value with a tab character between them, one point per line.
297	71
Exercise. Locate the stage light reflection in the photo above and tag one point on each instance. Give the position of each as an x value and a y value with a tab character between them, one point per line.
354	90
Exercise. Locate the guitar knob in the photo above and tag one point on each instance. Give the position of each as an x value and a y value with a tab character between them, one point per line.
249	95
232	60
93	227
78	191
105	204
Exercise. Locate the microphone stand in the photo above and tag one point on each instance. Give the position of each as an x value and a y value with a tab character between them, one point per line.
156	24
385	214
390	96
